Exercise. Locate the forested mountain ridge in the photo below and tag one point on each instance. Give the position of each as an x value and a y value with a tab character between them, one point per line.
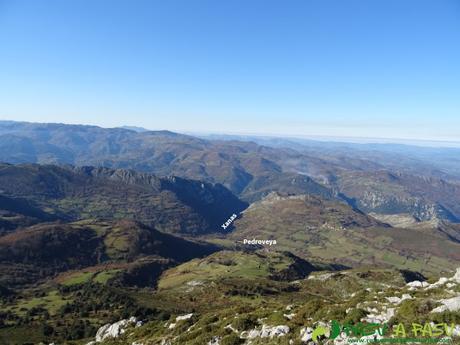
171	204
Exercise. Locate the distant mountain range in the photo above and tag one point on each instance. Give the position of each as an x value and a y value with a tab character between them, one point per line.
434	158
404	181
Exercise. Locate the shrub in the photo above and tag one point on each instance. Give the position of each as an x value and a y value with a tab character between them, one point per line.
244	323
355	316
231	339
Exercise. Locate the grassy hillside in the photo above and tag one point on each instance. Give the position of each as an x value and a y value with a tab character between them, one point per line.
41	251
325	231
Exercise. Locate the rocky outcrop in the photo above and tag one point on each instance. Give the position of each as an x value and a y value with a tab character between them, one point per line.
416	284
398	300
448	304
306	334
456	277
448	282
383	316
266	332
114	330
180	318
214	341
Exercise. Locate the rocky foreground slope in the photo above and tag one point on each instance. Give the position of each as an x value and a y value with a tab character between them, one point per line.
389	300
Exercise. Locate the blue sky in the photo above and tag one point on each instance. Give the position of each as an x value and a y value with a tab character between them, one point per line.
382	68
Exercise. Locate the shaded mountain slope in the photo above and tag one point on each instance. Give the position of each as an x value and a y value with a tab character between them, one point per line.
18	212
170	204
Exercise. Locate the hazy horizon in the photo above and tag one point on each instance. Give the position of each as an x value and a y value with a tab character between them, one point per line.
319	138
